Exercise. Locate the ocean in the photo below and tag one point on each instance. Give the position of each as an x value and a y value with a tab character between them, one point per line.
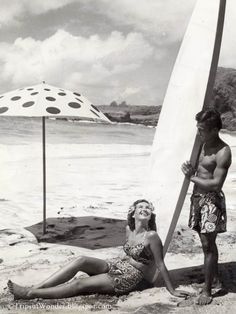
92	169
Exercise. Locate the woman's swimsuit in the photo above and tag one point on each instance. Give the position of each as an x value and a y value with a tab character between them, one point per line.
138	252
125	277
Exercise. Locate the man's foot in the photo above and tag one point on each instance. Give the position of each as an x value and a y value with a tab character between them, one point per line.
204	298
19	292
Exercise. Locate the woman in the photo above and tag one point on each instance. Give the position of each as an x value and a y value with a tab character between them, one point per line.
144	254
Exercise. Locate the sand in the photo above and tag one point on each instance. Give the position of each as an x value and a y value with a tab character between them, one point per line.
27	262
86	216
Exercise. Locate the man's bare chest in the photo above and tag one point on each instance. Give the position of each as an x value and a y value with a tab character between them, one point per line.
207	161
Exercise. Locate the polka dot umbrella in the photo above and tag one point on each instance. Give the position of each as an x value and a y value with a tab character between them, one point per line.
44	100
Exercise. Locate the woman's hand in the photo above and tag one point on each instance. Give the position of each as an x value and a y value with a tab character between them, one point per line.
181	293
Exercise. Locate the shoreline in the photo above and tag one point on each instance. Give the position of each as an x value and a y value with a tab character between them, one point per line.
223	131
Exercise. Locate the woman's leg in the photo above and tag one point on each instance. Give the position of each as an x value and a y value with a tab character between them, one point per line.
94	284
89	265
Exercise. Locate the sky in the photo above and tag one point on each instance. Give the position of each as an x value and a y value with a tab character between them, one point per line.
107	50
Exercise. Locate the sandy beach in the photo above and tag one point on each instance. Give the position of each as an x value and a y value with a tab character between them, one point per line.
93	175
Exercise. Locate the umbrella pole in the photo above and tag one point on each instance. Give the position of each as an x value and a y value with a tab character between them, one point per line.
44	175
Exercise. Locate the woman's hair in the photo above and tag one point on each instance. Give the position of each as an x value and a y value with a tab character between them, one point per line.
211	118
131	220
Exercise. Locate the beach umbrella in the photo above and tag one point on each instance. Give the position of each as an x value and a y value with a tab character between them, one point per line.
44	100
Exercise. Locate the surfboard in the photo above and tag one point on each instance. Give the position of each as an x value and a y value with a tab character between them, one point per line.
175	140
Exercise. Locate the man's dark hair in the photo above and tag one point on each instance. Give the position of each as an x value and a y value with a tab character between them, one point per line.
211	118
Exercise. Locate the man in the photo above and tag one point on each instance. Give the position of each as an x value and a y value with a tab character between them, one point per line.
208	212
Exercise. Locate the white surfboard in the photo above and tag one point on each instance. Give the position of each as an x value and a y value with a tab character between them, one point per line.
189	88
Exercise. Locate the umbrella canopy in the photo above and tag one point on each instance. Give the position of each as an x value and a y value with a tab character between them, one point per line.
44	100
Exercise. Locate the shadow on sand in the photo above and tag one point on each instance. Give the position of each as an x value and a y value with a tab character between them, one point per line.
88	232
195	274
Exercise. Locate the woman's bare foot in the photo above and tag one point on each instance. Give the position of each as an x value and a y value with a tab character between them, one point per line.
18	291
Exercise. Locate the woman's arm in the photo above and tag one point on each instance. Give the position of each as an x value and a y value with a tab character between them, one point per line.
157	251
122	254
127	229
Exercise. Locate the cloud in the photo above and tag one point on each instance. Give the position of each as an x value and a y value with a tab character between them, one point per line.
21	62
95	58
14	11
113	65
125	53
71	61
161	21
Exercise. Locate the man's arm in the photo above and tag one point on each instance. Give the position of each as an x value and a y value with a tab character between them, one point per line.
223	162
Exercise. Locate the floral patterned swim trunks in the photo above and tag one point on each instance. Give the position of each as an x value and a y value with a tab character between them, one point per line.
124	276
208	212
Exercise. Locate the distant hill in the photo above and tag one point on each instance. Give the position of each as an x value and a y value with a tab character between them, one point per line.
223	99
147	115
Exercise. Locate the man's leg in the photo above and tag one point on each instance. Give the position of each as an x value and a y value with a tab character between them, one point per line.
210	251
216	283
